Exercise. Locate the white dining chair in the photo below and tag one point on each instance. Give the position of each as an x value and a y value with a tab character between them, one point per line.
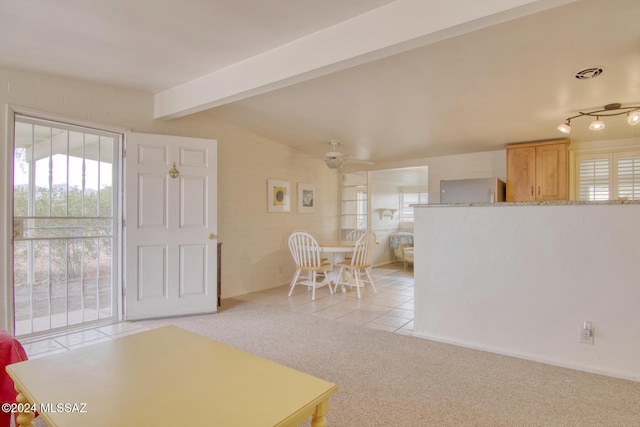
355	271
305	251
354	235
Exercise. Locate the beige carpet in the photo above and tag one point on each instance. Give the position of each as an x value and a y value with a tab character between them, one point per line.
388	379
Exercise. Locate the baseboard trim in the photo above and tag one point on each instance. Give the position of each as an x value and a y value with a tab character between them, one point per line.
534	358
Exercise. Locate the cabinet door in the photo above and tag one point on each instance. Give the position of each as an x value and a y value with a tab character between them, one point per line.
551	172
521	174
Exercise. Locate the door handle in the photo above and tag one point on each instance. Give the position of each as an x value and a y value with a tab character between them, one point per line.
213	236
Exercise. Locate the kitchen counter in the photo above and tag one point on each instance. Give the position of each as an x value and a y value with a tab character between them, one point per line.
549	203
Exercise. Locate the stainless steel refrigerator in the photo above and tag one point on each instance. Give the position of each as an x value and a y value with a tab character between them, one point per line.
476	190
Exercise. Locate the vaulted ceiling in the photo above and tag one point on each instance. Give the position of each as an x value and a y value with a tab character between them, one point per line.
393	80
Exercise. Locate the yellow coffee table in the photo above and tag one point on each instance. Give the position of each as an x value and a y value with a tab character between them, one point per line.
167	377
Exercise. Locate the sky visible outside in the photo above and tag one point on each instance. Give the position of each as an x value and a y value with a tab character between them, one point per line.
68	153
95	172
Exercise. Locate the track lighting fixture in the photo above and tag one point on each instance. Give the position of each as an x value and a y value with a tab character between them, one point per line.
609	110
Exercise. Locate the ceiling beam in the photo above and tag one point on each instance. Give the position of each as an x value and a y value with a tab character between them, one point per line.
387	30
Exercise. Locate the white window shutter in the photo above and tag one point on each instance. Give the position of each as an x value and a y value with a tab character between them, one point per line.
593	179
629	178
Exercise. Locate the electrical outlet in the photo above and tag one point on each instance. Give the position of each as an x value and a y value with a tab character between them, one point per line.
587	333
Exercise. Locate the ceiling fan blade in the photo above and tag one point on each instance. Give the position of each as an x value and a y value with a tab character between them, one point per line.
361	162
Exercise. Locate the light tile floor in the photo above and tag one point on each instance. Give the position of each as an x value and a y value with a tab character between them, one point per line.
39	347
390	309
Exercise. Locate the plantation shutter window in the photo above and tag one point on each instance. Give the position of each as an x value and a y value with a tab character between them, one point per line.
408	199
629	178
612	175
593	177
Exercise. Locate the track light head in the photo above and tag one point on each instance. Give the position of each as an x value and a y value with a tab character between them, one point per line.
633	118
597	124
565	127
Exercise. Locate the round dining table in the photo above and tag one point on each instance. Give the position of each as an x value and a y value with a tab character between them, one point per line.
337	246
338	251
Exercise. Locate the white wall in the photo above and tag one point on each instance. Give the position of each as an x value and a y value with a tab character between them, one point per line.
521	280
254	241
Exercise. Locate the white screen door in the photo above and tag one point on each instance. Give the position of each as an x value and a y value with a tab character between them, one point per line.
171	245
65	225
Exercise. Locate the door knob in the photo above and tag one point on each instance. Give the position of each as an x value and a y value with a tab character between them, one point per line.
213	236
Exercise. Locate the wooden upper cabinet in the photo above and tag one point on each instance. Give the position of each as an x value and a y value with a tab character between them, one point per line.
521	174
538	171
552	172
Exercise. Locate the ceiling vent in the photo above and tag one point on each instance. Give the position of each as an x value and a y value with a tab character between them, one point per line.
589	73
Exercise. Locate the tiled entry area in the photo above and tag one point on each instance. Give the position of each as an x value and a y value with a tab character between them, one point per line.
59	343
391	309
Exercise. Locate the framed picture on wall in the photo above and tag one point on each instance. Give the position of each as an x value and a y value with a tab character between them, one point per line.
307	199
278	196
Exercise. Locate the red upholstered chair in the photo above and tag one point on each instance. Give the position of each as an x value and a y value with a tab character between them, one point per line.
11	351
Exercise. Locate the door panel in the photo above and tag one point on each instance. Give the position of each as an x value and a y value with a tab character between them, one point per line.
171	260
193	207
197	158
152	156
152	268
153	203
193	269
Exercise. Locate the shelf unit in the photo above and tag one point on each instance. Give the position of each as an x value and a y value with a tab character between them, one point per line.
354	206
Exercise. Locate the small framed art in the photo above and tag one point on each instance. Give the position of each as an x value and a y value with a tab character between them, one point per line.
307	198
278	196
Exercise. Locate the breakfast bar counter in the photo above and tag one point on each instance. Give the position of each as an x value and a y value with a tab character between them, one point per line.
546	203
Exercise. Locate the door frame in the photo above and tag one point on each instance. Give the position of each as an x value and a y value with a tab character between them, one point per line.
6	250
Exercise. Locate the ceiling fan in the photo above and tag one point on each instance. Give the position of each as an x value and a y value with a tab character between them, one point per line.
335	159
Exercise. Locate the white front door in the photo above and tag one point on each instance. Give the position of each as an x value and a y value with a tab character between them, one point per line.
171	226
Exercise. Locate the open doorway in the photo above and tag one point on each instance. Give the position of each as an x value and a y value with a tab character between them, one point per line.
392	194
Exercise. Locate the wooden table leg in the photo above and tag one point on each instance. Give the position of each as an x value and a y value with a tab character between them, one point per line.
318	419
24	419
